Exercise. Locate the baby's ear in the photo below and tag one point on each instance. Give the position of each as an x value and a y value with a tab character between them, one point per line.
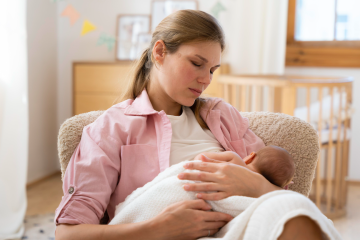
248	159
287	186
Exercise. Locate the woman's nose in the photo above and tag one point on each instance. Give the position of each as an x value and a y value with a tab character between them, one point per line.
206	78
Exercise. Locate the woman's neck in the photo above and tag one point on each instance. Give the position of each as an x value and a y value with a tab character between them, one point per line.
160	101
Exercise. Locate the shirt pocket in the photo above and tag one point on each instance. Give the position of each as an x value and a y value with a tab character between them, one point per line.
139	165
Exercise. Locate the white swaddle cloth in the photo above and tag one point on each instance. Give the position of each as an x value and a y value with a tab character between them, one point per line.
255	218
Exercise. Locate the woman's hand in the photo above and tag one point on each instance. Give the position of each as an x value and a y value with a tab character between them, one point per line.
188	220
226	179
227	156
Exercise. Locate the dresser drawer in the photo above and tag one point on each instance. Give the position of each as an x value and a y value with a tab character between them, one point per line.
86	102
101	78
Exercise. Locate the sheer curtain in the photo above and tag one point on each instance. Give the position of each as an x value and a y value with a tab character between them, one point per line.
13	118
256	34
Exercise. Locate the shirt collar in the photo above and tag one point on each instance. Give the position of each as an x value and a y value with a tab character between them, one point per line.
141	106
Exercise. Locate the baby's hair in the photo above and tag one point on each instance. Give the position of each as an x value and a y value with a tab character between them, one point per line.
275	164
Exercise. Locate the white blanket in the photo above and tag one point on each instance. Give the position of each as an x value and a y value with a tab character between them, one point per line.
255	218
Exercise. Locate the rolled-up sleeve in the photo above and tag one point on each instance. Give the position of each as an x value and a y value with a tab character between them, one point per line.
91	176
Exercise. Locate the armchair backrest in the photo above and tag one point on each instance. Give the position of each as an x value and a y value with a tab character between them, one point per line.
296	136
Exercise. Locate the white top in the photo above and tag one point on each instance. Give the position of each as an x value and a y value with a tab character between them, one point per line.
189	139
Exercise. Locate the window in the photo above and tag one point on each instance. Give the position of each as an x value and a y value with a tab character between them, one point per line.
323	33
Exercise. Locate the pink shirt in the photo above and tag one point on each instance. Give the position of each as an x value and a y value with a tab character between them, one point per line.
128	146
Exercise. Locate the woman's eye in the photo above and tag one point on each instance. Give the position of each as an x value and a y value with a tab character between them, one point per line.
200	66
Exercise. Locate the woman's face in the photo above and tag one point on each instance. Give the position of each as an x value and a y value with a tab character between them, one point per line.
183	75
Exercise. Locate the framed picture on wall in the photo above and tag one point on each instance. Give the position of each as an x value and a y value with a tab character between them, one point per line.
162	8
143	42
128	28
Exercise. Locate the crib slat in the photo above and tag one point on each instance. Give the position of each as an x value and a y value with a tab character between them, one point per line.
318	167
238	97
221	91
288	98
271	91
329	183
226	93
338	155
308	103
250	98
234	96
243	98
258	94
345	151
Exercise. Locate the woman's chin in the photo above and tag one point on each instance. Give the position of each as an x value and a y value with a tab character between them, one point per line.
188	102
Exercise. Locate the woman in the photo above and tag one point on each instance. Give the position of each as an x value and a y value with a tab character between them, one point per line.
185	51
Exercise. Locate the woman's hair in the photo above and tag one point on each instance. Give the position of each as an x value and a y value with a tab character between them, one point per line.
182	26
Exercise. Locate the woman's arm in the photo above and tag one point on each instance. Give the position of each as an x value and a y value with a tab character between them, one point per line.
225	179
180	221
103	232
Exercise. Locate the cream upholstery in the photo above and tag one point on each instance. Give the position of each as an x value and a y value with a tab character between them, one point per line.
296	136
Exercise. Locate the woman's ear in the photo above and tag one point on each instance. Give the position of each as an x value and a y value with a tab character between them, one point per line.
159	51
250	158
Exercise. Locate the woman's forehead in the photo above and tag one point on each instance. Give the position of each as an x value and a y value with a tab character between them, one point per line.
201	46
206	51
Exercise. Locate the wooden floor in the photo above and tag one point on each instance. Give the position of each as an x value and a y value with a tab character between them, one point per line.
45	196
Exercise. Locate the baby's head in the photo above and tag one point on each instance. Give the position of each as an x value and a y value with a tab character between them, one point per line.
274	163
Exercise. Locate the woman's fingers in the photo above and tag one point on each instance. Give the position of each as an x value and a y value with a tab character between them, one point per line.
206	159
221	156
198	176
198	204
214	225
212	196
216	217
202	187
203	166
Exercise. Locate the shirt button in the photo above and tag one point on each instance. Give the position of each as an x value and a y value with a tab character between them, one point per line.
71	190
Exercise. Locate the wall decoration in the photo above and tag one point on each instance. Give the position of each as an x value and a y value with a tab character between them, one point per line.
109	41
71	13
128	29
143	42
87	27
162	8
217	8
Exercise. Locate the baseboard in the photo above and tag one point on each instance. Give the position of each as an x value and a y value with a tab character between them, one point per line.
353	182
30	184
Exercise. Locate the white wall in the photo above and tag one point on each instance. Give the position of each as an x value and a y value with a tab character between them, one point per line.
354	161
42	58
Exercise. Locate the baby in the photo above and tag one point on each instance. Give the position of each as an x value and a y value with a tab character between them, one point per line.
274	163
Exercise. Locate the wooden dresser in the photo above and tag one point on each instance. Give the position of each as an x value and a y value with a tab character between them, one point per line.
97	85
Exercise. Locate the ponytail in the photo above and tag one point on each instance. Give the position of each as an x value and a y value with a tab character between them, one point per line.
140	79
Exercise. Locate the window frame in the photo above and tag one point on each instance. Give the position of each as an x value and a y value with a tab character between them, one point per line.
318	53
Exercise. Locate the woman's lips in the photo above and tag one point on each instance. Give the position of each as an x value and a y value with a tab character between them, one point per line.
197	93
